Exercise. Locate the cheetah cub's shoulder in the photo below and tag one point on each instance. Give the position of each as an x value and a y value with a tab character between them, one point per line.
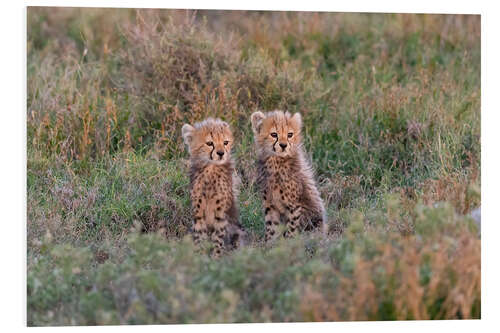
285	177
213	183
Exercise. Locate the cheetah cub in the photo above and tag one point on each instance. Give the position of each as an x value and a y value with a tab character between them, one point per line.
214	183
285	177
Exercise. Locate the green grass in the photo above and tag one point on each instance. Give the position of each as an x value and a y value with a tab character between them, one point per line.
391	108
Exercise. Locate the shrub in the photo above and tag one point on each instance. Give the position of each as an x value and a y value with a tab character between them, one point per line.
376	275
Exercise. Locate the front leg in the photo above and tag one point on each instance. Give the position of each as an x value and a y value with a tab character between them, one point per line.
199	230
293	220
218	235
272	218
199	225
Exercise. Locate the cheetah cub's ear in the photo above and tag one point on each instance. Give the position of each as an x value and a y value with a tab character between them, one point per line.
297	118
187	134
256	119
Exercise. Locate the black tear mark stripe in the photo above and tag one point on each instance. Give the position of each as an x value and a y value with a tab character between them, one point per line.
213	145
277	136
212	152
274	144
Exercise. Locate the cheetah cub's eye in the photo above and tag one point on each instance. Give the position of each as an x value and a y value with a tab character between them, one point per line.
290	135
210	143
274	135
226	142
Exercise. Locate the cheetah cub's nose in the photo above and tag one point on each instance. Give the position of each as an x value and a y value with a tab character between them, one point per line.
220	153
283	146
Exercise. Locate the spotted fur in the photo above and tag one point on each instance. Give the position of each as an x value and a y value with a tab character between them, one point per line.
214	184
285	177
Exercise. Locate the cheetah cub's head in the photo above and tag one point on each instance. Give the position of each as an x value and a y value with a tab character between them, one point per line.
209	140
277	132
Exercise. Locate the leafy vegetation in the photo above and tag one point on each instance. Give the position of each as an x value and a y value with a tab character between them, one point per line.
391	106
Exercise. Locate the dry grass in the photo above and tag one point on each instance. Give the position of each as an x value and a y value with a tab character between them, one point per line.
385	288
